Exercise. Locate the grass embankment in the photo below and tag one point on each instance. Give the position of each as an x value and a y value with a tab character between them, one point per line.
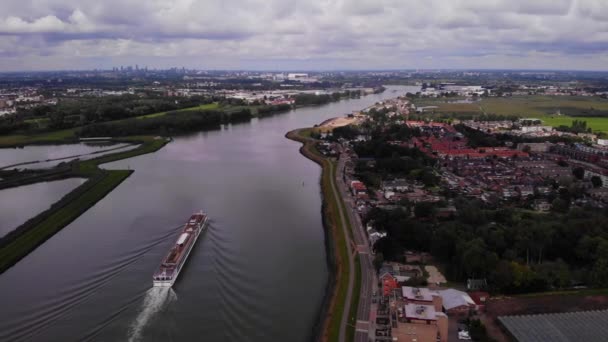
352	318
333	223
25	238
59	217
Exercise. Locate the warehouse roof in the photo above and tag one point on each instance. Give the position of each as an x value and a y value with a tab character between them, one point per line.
454	298
589	326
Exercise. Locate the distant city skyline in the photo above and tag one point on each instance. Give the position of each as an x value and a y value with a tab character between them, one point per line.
291	35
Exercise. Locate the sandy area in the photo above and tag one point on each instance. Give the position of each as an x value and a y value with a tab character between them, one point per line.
338	122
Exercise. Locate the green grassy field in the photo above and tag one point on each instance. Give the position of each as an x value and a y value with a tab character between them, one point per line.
209	106
553	110
538	105
40	123
596	124
51	137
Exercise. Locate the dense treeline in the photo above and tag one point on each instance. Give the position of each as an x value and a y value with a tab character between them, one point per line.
478	138
381	149
70	113
578	126
393	161
11	124
516	251
388	132
312	99
348	132
171	123
273	109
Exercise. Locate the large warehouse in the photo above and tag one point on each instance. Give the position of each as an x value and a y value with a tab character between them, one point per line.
588	326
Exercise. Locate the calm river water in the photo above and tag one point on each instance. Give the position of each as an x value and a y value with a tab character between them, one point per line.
35	197
257	274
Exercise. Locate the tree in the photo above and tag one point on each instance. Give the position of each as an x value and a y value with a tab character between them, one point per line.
428	177
599	273
478	331
424	209
57	120
578	172
556	274
596	181
378	261
559	205
476	259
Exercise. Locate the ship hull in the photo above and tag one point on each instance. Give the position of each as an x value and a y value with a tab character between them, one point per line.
161	279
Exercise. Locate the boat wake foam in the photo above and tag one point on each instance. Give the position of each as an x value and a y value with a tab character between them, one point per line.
155	300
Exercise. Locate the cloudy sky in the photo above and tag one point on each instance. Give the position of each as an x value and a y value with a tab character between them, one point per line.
304	34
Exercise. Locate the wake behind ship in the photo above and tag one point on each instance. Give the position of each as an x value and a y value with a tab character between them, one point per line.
172	264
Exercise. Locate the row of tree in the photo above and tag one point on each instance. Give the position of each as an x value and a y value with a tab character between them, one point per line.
578	126
168	124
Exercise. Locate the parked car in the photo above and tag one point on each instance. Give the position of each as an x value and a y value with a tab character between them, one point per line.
464	335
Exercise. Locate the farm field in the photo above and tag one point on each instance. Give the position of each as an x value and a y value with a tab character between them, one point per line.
553	110
597	124
537	105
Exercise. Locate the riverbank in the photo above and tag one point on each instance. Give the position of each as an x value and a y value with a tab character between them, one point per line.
339	289
24	239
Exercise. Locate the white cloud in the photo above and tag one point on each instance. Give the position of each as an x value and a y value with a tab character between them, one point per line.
321	33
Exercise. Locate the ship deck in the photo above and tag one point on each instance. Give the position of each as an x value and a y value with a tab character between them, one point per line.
179	250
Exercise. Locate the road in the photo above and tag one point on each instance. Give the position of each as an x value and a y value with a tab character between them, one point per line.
364	328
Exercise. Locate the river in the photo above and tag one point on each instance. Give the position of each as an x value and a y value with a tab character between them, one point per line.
46	156
35	197
257	274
